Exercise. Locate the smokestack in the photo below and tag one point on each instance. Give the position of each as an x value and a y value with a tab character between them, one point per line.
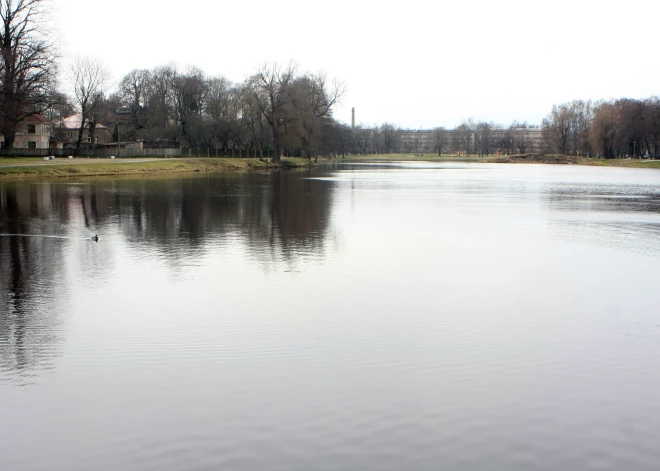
353	118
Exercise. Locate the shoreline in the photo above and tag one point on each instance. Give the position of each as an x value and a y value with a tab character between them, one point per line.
550	159
32	168
26	168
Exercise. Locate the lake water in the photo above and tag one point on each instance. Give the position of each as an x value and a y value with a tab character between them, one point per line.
408	316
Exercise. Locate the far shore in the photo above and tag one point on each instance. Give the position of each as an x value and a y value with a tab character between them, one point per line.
505	159
24	168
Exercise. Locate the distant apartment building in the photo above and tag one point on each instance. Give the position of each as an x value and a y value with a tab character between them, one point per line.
417	141
504	140
34	132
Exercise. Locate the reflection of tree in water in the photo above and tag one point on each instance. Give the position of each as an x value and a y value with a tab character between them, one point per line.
299	214
280	210
279	214
29	269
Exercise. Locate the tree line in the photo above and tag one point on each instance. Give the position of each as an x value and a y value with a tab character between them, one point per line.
276	111
608	129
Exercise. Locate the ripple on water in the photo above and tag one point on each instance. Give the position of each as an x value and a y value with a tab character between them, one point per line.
418	319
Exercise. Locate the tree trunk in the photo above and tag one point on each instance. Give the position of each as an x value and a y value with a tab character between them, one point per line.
76	151
277	151
10	137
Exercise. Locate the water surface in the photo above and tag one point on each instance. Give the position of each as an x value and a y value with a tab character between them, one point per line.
382	317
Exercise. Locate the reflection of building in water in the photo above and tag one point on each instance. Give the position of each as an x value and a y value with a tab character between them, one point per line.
275	216
30	271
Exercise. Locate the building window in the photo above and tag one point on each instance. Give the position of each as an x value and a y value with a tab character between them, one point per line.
32	144
32	129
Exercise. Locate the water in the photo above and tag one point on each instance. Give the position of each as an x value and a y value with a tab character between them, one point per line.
379	317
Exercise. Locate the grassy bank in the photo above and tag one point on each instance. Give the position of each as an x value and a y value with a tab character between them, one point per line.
575	160
411	157
518	159
27	168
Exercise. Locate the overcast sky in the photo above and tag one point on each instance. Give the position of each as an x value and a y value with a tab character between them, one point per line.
417	64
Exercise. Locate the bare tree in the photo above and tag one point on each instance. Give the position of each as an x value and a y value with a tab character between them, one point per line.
273	94
159	103
313	101
389	138
362	139
90	79
483	136
134	89
439	139
253	120
27	69
520	137
189	94
224	104
464	137
604	130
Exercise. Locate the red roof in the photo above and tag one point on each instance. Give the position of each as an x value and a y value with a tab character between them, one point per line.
41	119
73	122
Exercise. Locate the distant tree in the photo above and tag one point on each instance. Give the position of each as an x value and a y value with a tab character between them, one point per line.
226	105
346	138
566	128
653	113
463	134
363	140
60	109
28	67
603	131
273	93
632	125
313	100
560	126
188	97
134	92
389	138
439	139
483	133
253	121
519	137
160	113
90	78
582	115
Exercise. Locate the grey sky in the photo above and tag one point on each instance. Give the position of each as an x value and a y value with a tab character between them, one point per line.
414	63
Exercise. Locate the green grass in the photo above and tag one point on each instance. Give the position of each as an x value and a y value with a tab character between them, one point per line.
630	163
21	160
426	157
16	168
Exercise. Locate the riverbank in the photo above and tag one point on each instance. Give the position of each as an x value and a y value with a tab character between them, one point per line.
559	159
555	159
27	168
22	168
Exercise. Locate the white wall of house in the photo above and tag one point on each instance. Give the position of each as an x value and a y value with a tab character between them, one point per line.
31	134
